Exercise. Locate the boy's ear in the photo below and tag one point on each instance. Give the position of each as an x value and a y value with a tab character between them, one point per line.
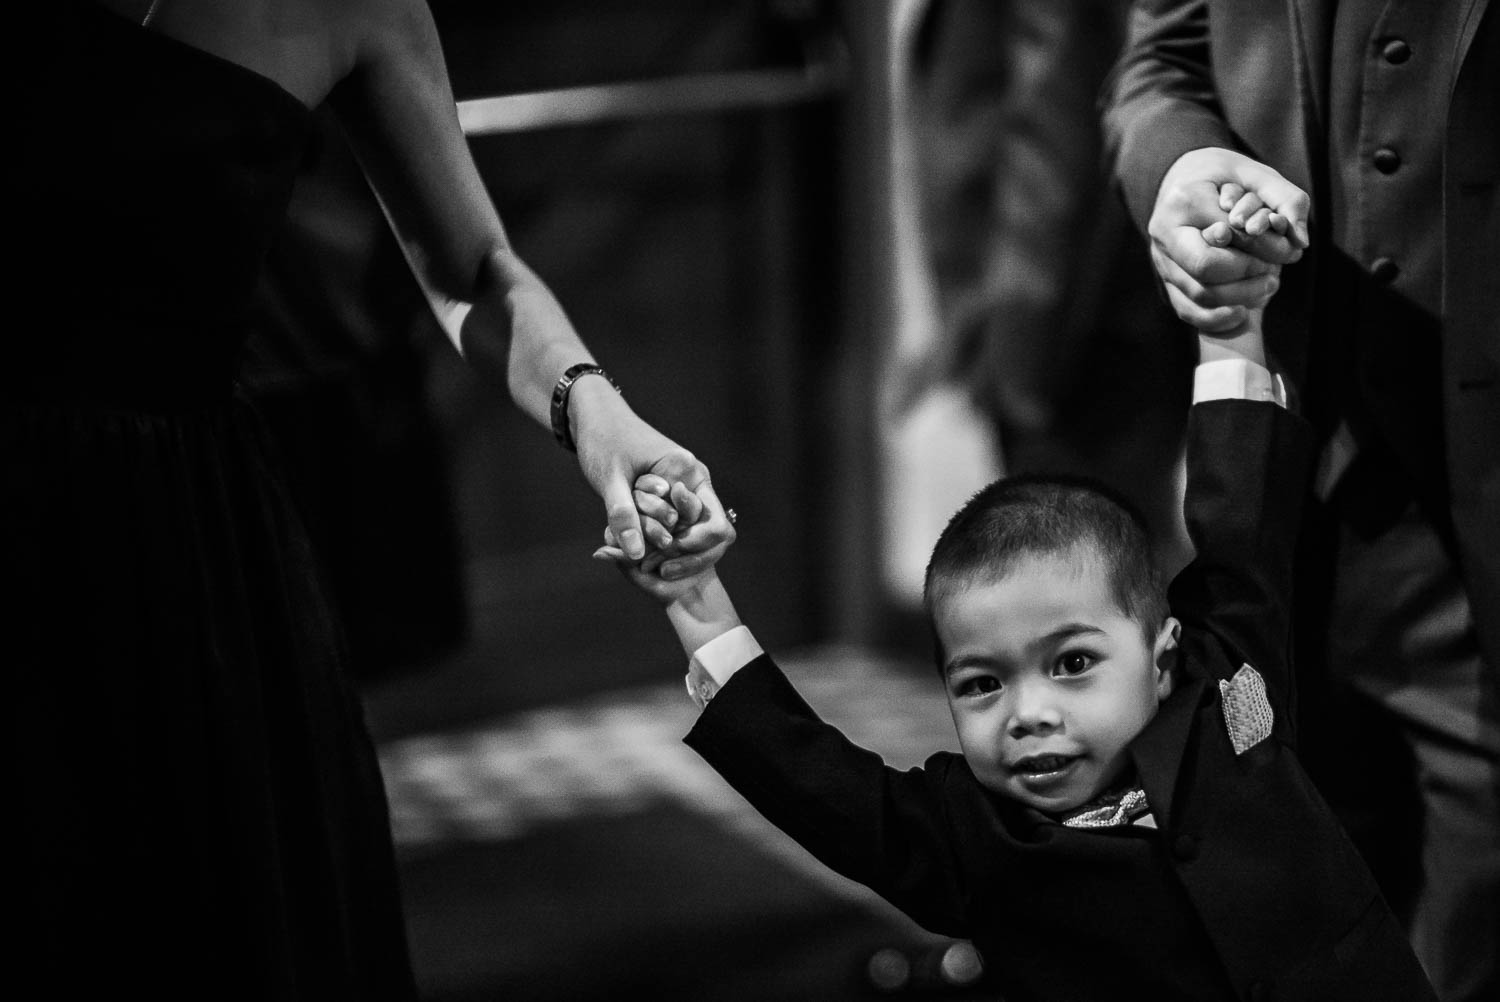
1164	655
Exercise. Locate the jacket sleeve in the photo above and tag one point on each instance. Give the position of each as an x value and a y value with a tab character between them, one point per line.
1247	469
878	826
1160	101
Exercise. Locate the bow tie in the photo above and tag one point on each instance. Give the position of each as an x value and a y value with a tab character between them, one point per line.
1114	807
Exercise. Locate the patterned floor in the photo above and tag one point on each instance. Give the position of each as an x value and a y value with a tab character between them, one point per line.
624	753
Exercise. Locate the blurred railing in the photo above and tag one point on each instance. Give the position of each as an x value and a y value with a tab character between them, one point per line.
701	93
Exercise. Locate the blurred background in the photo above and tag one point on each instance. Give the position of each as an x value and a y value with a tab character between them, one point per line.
860	258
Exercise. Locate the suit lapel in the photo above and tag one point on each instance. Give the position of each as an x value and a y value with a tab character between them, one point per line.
1158	750
1472	16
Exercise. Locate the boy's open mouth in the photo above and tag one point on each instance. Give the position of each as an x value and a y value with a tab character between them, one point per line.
1042	765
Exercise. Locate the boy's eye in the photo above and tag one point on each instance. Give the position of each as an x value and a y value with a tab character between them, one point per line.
1074	663
979	685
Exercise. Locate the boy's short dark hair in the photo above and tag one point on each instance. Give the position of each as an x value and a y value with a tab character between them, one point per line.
1032	515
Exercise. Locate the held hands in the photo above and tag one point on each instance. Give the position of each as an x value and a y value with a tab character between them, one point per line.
667	528
1249	218
617	453
697	605
1223	226
682	552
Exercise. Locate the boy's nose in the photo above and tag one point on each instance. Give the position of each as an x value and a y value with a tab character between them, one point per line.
1033	712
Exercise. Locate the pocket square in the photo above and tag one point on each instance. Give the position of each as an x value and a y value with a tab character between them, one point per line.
1247	710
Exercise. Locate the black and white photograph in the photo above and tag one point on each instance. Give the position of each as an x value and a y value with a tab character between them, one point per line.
753	501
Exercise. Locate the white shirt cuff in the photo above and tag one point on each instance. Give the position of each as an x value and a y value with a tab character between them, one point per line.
713	664
1237	379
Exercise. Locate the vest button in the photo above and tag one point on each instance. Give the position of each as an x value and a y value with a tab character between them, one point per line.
1384	270
1185	848
1386	160
1395	51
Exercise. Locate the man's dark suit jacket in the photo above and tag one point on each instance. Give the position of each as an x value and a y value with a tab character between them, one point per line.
1254	75
1247	889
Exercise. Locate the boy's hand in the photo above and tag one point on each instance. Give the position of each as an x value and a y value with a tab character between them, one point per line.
641	574
1212	279
697	605
1248	218
669	570
1249	215
696	532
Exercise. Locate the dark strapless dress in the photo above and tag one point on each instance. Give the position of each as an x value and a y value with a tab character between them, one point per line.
194	804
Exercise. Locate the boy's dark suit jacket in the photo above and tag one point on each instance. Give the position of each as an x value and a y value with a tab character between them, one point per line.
1255	76
1248	890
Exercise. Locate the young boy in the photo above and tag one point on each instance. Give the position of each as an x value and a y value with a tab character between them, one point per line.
1128	818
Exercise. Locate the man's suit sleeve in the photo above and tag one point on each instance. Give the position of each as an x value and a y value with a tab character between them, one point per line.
881	827
1160	101
1247	467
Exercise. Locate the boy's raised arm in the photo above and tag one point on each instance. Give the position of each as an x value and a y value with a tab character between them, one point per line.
1247	466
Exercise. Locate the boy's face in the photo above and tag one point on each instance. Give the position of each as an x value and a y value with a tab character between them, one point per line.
1049	680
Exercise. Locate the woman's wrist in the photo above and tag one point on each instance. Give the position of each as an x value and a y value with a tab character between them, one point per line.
593	403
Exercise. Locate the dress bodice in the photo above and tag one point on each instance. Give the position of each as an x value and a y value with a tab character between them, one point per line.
155	176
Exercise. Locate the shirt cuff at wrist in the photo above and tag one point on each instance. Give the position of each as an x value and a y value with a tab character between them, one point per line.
715	662
1237	379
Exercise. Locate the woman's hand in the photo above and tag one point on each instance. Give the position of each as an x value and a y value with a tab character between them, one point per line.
396	106
615	449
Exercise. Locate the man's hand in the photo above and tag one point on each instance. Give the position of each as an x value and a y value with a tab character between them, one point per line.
1215	273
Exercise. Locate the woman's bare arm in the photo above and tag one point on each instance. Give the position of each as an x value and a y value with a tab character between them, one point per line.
397	106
